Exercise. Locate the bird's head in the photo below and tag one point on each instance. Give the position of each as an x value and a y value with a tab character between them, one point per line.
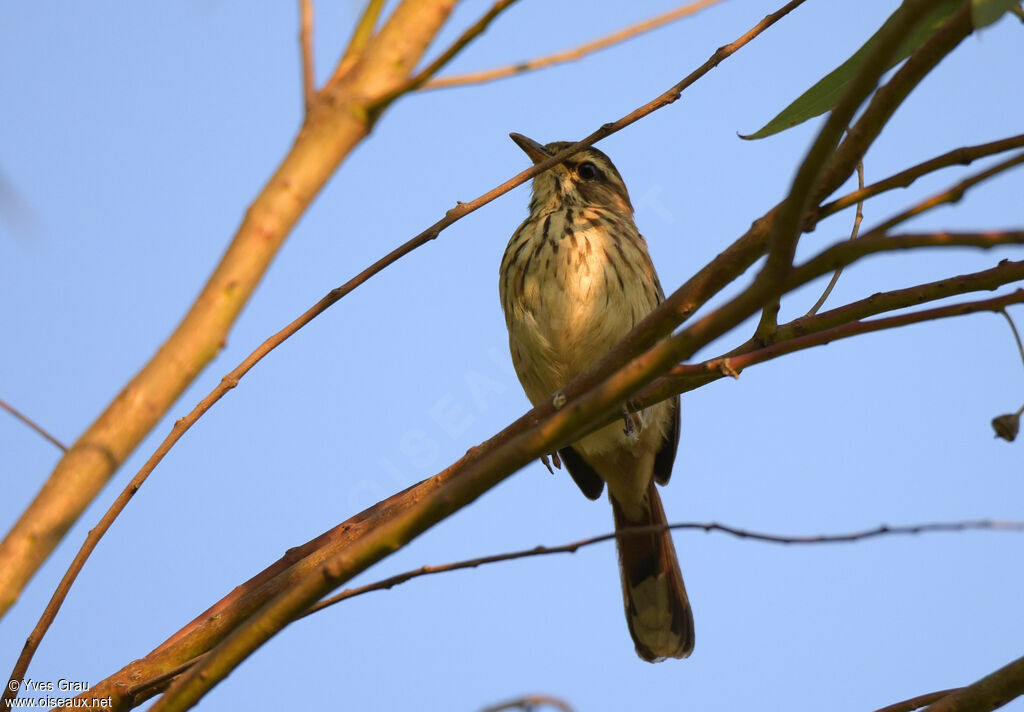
586	178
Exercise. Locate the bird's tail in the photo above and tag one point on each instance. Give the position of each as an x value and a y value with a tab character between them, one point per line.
657	609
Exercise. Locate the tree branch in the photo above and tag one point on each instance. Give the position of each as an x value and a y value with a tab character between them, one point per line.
541	430
232	379
570	55
988	693
573	547
960	156
361	36
734	365
328	136
471	33
889	97
785	231
213	624
950	195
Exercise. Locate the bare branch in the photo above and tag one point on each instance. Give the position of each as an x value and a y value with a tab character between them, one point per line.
785	231
688	377
216	622
960	156
734	365
231	379
306	45
539	431
32	424
951	195
572	548
574	54
319	149
889	97
988	693
471	33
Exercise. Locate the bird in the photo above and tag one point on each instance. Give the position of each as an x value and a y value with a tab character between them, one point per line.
575	278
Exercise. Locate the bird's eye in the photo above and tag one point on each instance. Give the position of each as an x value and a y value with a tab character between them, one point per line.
587	171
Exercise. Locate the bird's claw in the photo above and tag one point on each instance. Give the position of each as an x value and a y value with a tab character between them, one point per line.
554	458
633	422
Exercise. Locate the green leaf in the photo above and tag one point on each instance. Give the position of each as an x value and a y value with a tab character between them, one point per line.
985	12
826	93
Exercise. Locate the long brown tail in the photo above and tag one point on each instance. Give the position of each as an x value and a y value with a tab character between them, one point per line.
657	609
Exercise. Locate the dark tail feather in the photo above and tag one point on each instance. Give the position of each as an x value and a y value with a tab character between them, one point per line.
657	609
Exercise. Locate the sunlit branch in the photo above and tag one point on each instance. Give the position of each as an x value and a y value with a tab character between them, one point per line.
573	547
573	54
231	379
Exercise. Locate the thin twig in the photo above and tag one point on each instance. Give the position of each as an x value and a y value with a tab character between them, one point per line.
573	547
964	155
853	236
306	45
32	424
734	364
571	55
918	702
951	195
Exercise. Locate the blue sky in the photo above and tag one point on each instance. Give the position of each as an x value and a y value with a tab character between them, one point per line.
136	137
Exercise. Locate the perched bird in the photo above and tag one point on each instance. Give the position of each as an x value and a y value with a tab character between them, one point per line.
575	278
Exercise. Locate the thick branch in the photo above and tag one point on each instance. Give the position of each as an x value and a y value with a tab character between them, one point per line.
470	34
361	36
785	231
889	97
135	681
485	466
329	134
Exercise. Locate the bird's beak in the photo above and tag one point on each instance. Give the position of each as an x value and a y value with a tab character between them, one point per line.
534	150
